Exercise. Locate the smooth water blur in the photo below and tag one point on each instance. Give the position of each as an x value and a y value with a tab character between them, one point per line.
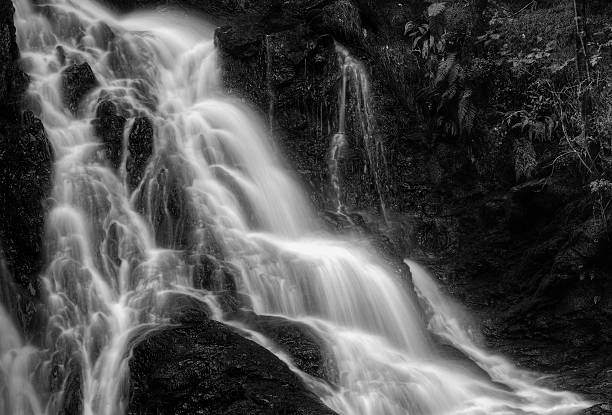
356	83
213	186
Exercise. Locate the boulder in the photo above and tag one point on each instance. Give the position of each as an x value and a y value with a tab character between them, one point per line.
238	42
598	410
299	341
218	277
207	368
26	164
77	81
166	203
103	35
13	81
140	148
109	126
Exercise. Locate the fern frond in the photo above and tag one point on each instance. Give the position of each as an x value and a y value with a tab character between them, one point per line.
466	112
436	9
445	67
447	96
454	75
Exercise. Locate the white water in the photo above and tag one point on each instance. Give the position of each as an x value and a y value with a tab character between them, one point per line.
269	84
354	78
115	256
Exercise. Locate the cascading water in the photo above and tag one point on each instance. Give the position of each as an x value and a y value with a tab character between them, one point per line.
271	95
354	77
449	321
211	186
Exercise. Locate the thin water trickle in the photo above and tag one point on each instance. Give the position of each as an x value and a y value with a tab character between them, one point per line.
211	187
269	83
354	77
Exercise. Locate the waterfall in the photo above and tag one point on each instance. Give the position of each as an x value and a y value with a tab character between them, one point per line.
354	77
269	83
118	254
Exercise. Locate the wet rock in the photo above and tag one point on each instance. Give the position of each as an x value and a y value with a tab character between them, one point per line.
180	308
219	11
213	275
77	81
13	81
293	80
109	126
298	340
238	42
65	23
103	35
26	162
72	396
218	277
209	369
166	203
61	54
598	410
140	148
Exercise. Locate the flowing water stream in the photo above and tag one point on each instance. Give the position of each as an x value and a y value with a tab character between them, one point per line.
117	255
355	81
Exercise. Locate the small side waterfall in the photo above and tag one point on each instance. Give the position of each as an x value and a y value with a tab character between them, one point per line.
121	254
449	321
354	78
269	83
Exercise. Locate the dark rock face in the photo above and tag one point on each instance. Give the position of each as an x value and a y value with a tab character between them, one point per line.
26	160
163	199
109	126
213	275
209	369
292	76
77	81
598	410
297	340
13	81
140	148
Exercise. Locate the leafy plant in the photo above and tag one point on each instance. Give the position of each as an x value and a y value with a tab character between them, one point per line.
344	18
428	38
449	98
525	159
423	41
601	190
533	126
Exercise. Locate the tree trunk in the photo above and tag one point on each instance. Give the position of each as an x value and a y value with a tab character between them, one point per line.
479	23
584	79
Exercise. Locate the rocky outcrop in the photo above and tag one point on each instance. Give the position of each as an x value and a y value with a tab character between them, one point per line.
140	148
598	410
13	81
209	369
165	201
307	351
26	160
109	126
77	81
